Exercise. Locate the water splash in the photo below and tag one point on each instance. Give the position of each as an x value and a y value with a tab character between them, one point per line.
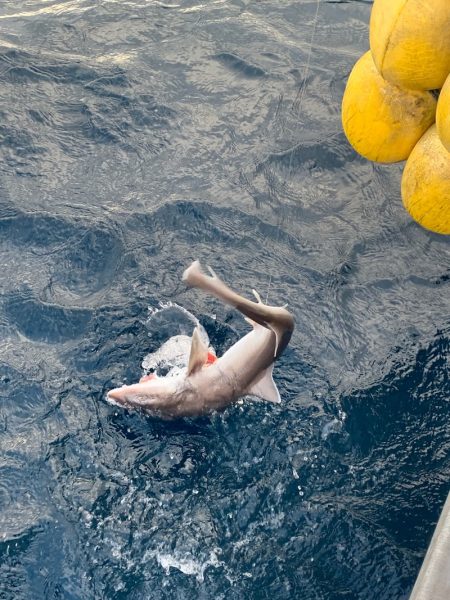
187	564
172	357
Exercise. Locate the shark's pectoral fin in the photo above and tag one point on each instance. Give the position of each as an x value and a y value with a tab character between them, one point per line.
264	387
199	353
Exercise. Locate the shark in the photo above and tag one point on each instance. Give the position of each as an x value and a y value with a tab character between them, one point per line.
212	383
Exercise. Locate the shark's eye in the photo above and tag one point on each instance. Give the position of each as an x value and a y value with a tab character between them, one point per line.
148	377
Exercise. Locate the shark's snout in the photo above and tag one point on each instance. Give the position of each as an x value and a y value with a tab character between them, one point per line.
138	394
118	395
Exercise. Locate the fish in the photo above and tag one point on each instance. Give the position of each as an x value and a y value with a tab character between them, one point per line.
213	383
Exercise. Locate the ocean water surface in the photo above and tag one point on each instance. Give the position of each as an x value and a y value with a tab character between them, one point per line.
136	136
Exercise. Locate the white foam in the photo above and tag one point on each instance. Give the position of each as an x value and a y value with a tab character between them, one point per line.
172	355
334	426
187	564
111	401
172	358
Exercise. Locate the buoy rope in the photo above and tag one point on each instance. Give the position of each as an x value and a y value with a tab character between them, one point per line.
296	108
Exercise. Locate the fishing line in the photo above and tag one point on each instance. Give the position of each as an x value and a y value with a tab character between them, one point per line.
296	109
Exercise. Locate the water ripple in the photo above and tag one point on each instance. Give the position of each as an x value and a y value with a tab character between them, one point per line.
135	137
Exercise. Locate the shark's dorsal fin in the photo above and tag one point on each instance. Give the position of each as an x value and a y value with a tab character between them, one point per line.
264	387
199	353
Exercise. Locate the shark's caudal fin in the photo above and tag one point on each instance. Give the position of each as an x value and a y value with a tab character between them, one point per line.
264	387
199	353
276	318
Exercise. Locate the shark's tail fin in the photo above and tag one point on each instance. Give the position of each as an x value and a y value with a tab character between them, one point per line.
276	318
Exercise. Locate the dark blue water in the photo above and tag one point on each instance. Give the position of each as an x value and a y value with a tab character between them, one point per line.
136	136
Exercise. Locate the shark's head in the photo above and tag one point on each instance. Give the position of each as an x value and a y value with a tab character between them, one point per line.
155	393
148	393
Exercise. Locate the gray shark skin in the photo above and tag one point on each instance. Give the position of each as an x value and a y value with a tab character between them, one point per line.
245	368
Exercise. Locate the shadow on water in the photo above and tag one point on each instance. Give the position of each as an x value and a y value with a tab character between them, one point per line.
135	138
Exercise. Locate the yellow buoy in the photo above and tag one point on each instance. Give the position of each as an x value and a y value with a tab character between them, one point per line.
443	114
426	183
381	121
410	42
